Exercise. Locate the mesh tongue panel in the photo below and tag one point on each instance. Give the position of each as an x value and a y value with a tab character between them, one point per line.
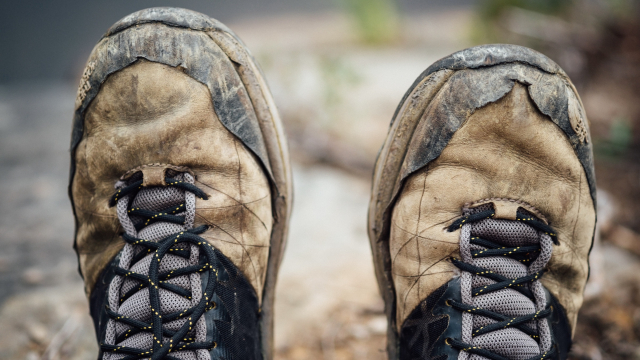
500	265
160	230
510	342
138	306
506	301
159	198
506	232
504	266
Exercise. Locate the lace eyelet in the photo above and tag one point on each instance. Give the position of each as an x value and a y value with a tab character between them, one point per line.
448	302
447	341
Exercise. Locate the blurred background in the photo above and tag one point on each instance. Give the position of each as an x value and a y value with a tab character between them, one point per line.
337	69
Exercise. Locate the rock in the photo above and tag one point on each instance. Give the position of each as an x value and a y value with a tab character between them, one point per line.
33	276
378	325
38	333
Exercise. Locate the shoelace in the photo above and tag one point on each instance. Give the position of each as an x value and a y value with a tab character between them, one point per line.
176	244
524	254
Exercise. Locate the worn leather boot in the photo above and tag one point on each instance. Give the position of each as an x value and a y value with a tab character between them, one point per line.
483	210
181	190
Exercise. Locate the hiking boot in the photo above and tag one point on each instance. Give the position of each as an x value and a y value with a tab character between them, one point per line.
181	190
482	212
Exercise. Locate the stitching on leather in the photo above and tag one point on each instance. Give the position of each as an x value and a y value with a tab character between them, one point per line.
85	83
168	166
522	204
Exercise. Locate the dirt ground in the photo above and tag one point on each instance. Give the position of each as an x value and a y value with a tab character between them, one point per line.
336	98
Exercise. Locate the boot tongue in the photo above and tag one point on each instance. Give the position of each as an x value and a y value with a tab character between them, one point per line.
158	199
510	342
137	306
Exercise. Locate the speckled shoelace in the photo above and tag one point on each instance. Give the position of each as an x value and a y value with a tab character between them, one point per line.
503	302
159	283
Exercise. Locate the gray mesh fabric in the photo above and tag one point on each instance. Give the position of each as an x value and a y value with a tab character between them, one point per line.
506	232
137	306
510	342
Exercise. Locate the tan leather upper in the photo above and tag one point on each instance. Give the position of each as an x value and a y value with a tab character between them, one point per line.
151	113
506	150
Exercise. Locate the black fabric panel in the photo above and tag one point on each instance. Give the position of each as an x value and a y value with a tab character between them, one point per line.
98	300
233	324
424	331
441	357
235	320
560	329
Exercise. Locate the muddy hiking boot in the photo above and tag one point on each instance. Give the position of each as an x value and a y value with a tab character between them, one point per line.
180	185
482	213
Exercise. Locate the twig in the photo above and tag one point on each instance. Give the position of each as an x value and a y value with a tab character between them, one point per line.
61	337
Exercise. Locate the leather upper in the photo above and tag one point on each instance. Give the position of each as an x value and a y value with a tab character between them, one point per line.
151	113
506	149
